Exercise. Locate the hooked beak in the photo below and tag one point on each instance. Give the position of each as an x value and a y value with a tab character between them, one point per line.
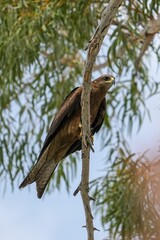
113	80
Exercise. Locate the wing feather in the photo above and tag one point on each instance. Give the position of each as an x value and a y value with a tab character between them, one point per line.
95	127
69	105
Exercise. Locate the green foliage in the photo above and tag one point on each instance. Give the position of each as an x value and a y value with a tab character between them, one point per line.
42	57
128	198
38	69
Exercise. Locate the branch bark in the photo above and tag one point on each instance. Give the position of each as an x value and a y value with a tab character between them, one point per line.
149	32
93	50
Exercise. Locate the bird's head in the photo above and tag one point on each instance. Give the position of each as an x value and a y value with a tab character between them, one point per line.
108	78
105	81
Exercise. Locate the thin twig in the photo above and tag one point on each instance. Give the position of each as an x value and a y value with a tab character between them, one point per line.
93	49
149	32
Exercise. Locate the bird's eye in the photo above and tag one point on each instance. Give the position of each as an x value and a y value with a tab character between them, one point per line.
106	78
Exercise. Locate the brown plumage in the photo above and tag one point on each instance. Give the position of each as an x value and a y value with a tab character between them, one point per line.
64	136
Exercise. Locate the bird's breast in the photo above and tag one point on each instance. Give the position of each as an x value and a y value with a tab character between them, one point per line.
95	102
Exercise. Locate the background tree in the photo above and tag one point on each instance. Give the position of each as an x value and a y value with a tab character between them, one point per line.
42	57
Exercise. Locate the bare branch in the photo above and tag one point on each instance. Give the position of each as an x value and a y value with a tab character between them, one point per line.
149	32
93	50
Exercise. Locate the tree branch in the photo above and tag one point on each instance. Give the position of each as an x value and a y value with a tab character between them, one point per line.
149	32
93	50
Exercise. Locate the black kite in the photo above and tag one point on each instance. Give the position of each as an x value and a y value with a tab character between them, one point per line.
64	136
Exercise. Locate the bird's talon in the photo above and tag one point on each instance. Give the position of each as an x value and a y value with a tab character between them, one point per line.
89	142
80	126
92	139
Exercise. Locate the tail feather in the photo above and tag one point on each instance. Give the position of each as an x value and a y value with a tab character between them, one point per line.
43	170
44	176
31	177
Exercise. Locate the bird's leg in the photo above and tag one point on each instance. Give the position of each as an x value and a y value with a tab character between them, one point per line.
92	136
80	126
88	140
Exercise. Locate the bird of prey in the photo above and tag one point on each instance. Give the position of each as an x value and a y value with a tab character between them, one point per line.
65	133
